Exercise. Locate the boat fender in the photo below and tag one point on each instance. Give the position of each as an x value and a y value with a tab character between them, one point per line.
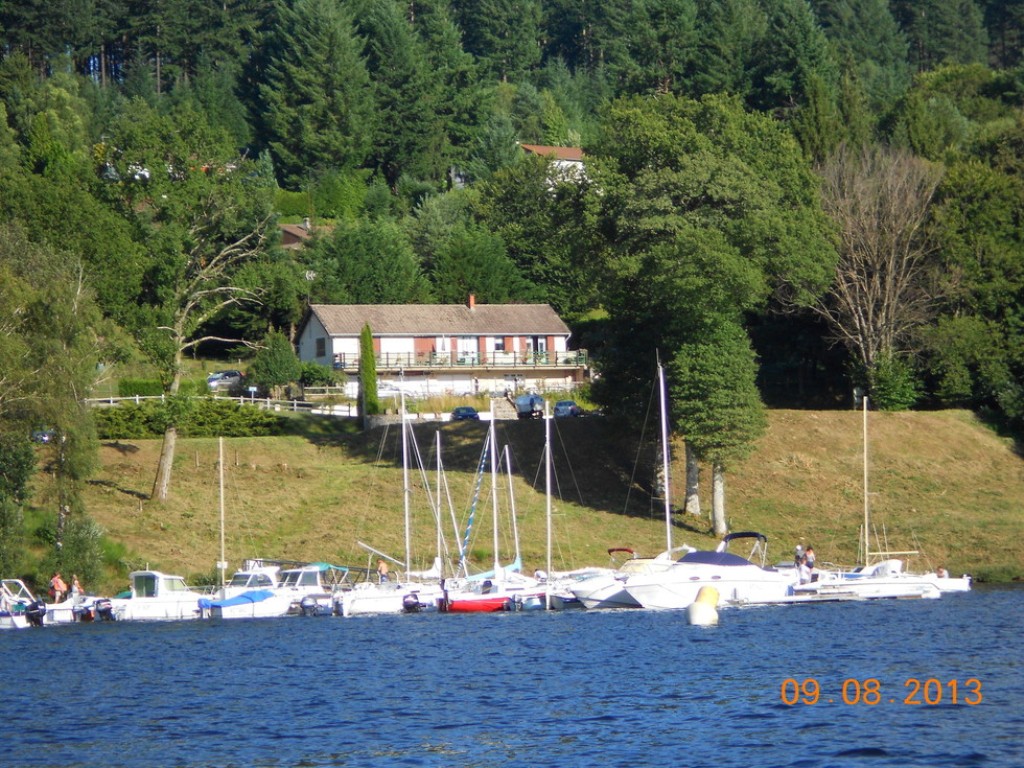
703	612
35	612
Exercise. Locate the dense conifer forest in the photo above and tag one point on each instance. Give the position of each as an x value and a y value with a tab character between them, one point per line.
782	200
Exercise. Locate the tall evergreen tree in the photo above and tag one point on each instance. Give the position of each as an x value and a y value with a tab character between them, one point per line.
503	35
866	35
408	137
316	104
942	31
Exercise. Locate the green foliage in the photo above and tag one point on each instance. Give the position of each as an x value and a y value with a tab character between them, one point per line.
367	374
339	195
12	536
316	102
317	375
207	417
714	399
80	553
291	204
17	463
894	385
139	388
275	364
368	261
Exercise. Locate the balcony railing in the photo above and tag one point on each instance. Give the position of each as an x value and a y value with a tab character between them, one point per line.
396	361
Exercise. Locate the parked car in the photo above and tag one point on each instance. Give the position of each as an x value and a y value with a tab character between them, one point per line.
567	408
465	413
224	381
530	406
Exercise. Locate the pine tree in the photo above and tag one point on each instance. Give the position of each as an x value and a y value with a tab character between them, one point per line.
316	100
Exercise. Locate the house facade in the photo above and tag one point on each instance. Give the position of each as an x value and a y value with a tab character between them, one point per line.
432	349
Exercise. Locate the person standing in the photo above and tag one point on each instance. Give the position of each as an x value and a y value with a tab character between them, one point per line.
76	587
382	571
58	588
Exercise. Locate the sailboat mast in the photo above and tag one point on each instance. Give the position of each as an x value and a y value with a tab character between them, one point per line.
405	485
222	565
547	494
512	503
867	513
664	457
437	512
494	486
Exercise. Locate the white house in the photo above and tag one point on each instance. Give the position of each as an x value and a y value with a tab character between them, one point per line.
447	348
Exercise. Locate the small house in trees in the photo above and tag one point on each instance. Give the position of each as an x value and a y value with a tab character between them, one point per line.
428	349
566	162
297	235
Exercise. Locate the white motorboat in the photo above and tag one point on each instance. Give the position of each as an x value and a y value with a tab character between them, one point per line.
155	596
882	578
314	589
251	593
19	608
739	580
608	590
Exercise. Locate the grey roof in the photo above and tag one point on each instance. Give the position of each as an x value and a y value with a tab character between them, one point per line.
440	319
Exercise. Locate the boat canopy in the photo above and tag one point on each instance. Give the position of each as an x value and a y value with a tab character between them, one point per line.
704	557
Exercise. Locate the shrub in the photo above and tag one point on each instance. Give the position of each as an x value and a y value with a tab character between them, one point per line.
316	375
139	388
206	417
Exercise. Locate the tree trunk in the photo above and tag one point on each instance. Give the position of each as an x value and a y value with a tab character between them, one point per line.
692	477
162	486
718	500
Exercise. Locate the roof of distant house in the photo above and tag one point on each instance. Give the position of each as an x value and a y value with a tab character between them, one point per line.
573	154
440	319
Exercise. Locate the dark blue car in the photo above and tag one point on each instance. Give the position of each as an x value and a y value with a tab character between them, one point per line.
465	413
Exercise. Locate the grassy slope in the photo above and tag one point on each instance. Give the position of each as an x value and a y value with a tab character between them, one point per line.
940	483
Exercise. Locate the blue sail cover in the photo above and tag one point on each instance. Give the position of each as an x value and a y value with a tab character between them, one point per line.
252	596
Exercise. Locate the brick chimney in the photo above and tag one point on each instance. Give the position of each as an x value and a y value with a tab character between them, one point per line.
472	301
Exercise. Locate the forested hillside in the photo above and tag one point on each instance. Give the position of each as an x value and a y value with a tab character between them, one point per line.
782	200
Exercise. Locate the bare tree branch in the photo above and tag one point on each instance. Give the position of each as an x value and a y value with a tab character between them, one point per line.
880	200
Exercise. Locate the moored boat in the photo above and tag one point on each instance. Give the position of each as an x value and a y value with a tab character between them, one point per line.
154	596
738	579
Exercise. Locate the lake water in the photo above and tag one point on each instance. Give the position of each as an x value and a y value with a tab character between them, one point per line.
626	688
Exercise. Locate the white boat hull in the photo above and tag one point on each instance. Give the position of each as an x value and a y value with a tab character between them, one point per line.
677	588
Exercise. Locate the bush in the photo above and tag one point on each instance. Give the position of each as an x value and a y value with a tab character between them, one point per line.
895	387
139	388
207	417
292	203
316	375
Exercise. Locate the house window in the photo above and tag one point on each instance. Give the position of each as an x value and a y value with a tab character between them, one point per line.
321	347
499	344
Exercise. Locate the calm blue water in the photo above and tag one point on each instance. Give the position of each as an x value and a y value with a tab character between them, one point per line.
536	689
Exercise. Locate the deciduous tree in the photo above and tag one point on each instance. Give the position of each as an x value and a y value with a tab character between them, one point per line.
884	287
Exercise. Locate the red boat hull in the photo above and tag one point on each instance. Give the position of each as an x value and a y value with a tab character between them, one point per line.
485	604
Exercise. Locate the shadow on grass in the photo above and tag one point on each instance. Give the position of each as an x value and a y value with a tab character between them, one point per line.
114	486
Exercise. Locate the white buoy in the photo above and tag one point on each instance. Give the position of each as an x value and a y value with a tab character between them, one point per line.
703	612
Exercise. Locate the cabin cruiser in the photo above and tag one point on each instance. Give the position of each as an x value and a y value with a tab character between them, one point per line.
739	580
154	596
314	588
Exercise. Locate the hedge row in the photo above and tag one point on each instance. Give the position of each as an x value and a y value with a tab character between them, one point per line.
154	388
201	417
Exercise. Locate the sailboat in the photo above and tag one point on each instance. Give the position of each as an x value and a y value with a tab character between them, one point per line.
884	577
503	588
607	590
399	596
